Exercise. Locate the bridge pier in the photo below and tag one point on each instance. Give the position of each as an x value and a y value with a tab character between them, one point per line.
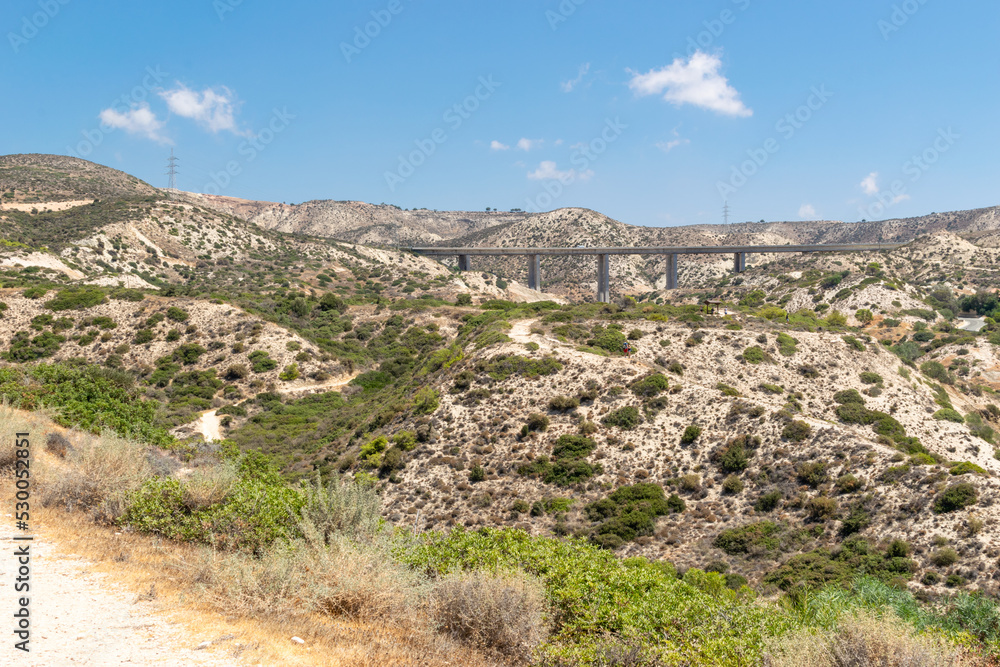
463	263
603	278
739	262
671	271
534	272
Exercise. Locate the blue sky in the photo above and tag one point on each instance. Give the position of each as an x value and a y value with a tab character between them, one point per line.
654	113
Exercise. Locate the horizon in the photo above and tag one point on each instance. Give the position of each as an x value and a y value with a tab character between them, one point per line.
652	123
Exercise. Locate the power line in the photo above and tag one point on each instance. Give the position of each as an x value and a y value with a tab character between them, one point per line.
172	172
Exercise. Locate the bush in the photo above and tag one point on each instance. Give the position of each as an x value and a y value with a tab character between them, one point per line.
733	458
76	298
290	373
177	314
691	433
495	613
786	344
477	474
650	386
768	502
426	401
237	372
732	484
955	497
944	557
261	361
821	508
754	355
626	418
812	473
563	403
537	422
854	343
864	316
796	431
189	353
948	414
869	377
937	371
751	537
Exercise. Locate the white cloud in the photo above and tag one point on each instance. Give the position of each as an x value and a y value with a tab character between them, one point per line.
548	171
137	120
667	146
696	81
807	212
899	198
568	86
528	144
212	108
497	146
870	184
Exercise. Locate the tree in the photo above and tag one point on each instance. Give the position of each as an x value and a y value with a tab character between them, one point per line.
864	316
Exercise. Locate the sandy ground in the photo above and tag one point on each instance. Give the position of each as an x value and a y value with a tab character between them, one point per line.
44	261
210	426
79	617
46	205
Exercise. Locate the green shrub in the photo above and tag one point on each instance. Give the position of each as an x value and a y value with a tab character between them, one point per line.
261	361
563	403
948	414
290	373
937	371
626	418
944	557
537	422
727	390
854	343
733	458
762	535
869	377
771	388
426	401
650	386
732	484
76	298
607	339
502	367
143	336
786	344
848	484
812	473
177	314
768	502
955	497
691	433
965	468
754	355
796	431
477	474
188	354
24	348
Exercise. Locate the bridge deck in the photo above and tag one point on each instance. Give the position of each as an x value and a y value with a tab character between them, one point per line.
662	250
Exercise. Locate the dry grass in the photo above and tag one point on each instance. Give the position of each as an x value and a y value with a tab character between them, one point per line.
503	614
96	476
348	599
209	485
863	640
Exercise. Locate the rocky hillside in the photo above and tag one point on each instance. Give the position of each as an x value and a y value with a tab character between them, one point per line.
359	222
34	178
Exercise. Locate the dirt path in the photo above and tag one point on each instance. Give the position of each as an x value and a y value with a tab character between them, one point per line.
210	426
520	332
79	617
331	385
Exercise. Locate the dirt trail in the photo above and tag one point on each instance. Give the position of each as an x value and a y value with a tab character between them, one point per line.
209	424
331	385
79	617
520	332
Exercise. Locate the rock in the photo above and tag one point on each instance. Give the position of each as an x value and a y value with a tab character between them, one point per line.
203	646
298	640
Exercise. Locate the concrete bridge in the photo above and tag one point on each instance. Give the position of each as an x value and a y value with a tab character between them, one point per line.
534	256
